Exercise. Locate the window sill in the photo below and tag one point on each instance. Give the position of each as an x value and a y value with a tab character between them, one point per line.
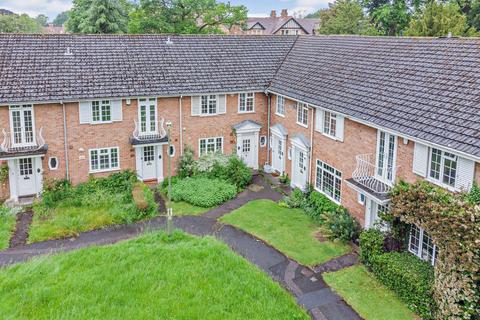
246	112
440	184
104	170
100	122
280	115
302	125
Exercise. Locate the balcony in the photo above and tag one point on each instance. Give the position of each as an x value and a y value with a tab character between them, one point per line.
141	136
10	149
370	177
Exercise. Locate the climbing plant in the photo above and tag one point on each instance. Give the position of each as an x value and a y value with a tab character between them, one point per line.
453	223
3	173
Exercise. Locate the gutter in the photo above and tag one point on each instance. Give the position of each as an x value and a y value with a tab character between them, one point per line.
65	141
311	148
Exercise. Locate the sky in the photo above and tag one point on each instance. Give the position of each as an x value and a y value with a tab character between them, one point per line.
255	7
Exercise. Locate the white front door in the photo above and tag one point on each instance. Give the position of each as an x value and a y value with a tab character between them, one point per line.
278	154
373	212
149	168
26	177
247	149
299	168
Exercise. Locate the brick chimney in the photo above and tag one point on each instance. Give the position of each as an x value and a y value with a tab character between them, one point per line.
273	14
284	13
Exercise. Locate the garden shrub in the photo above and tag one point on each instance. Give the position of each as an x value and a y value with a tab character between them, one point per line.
371	245
454	225
318	204
163	187
409	277
143	197
474	194
341	225
186	163
206	163
297	199
203	192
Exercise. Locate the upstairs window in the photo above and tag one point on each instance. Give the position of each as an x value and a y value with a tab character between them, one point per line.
280	110
101	111
302	114
246	102
443	167
209	104
21	120
330	124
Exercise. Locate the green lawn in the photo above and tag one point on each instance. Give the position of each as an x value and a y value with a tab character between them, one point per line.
182	208
67	221
146	278
366	295
7	225
289	230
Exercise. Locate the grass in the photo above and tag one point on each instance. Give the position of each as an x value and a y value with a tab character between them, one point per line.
7	226
366	295
146	278
181	208
67	221
289	230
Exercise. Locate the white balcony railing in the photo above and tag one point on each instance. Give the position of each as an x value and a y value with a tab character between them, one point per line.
8	145
158	134
377	179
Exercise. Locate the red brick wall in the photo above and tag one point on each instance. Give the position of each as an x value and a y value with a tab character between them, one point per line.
289	121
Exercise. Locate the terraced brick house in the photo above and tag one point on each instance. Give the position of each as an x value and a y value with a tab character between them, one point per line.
349	115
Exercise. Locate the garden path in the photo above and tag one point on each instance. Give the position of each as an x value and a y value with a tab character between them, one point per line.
22	225
308	287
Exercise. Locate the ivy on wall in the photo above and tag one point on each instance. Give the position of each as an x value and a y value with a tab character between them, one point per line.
453	222
3	173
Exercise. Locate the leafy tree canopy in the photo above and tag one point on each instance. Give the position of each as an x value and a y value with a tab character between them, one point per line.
98	16
61	18
42	20
345	17
392	18
13	23
185	16
439	19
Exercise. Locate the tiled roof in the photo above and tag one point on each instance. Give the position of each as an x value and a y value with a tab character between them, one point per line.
426	88
36	67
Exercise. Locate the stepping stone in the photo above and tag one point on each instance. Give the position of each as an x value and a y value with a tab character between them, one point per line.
318	298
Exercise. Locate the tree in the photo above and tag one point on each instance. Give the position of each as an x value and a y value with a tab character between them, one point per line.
345	17
61	18
42	20
185	16
473	15
392	18
439	19
14	23
97	16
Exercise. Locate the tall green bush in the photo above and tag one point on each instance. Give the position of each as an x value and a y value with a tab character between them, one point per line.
341	225
371	245
186	163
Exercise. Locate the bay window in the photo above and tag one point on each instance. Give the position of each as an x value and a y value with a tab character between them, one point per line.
328	181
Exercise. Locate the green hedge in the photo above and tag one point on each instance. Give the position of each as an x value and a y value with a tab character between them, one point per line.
405	274
203	192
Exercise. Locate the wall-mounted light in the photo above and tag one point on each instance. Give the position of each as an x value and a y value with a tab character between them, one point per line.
128	101
405	141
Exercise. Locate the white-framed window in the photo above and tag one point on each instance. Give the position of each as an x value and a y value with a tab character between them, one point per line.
329	181
246	102
386	154
280	109
22	125
421	245
104	159
361	198
147	115
443	167
211	145
101	111
171	151
209	104
53	163
330	124
302	114
263	141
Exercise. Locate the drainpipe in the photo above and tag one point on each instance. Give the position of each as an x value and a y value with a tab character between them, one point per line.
65	140
269	105
311	147
181	125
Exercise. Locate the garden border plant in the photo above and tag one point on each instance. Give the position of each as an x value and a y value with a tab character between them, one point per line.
453	222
